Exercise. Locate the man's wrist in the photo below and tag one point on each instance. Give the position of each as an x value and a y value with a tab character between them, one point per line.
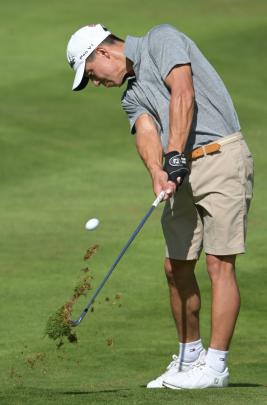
171	149
154	172
175	146
155	167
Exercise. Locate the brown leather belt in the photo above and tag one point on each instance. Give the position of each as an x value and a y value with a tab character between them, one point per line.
203	151
213	147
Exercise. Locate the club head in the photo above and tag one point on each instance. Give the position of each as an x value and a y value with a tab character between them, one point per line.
74	323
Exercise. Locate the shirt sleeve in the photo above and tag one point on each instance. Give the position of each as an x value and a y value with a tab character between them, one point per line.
134	109
168	48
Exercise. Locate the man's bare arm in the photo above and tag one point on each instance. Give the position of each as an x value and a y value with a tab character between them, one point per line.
149	147
180	83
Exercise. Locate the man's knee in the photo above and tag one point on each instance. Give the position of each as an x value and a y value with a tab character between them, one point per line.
169	271
220	266
178	271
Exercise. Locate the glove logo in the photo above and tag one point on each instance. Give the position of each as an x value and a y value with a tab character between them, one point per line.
174	161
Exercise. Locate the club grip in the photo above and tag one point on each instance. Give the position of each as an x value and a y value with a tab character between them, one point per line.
159	198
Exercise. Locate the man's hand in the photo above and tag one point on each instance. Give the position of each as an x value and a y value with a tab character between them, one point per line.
176	167
161	183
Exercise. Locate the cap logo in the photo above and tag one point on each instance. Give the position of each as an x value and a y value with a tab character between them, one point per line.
86	51
72	61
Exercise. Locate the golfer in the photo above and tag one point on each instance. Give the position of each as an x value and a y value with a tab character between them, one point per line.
188	135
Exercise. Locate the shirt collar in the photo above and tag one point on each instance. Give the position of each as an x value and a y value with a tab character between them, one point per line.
132	51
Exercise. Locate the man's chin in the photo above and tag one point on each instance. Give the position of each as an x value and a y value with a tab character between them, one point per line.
114	84
111	84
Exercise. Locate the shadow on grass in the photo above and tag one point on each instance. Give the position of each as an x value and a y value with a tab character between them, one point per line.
121	393
103	391
93	392
240	385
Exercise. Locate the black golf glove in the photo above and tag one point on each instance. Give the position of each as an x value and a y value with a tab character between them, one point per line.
175	165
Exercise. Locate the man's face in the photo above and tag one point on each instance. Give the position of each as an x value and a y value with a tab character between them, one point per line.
105	69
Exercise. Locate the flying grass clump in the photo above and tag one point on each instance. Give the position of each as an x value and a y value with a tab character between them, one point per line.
58	327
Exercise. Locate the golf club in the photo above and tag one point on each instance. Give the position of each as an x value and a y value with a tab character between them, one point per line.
132	237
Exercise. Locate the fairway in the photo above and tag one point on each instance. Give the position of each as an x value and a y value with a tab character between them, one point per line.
67	157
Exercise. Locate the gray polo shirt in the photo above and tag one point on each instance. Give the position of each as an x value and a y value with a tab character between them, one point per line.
153	57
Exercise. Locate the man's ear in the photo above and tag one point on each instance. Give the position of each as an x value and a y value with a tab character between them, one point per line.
101	51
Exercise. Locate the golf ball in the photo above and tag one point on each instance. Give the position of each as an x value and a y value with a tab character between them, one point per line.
92	224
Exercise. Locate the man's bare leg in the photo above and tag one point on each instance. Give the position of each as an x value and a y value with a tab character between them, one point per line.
184	298
185	305
225	309
225	300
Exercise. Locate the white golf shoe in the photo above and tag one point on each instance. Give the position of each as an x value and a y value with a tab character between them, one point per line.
200	376
176	367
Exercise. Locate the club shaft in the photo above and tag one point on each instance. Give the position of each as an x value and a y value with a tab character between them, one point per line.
101	285
132	237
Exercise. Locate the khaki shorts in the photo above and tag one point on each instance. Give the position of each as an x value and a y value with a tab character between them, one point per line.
210	209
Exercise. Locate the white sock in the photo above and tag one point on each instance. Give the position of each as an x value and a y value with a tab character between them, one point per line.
217	359
189	352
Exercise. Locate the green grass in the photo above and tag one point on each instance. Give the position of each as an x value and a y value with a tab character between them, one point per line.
67	157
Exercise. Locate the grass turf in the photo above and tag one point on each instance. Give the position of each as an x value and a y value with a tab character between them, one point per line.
68	157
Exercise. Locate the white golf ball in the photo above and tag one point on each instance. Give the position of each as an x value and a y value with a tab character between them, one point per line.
92	224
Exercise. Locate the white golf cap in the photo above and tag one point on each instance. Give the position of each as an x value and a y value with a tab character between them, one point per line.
81	44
